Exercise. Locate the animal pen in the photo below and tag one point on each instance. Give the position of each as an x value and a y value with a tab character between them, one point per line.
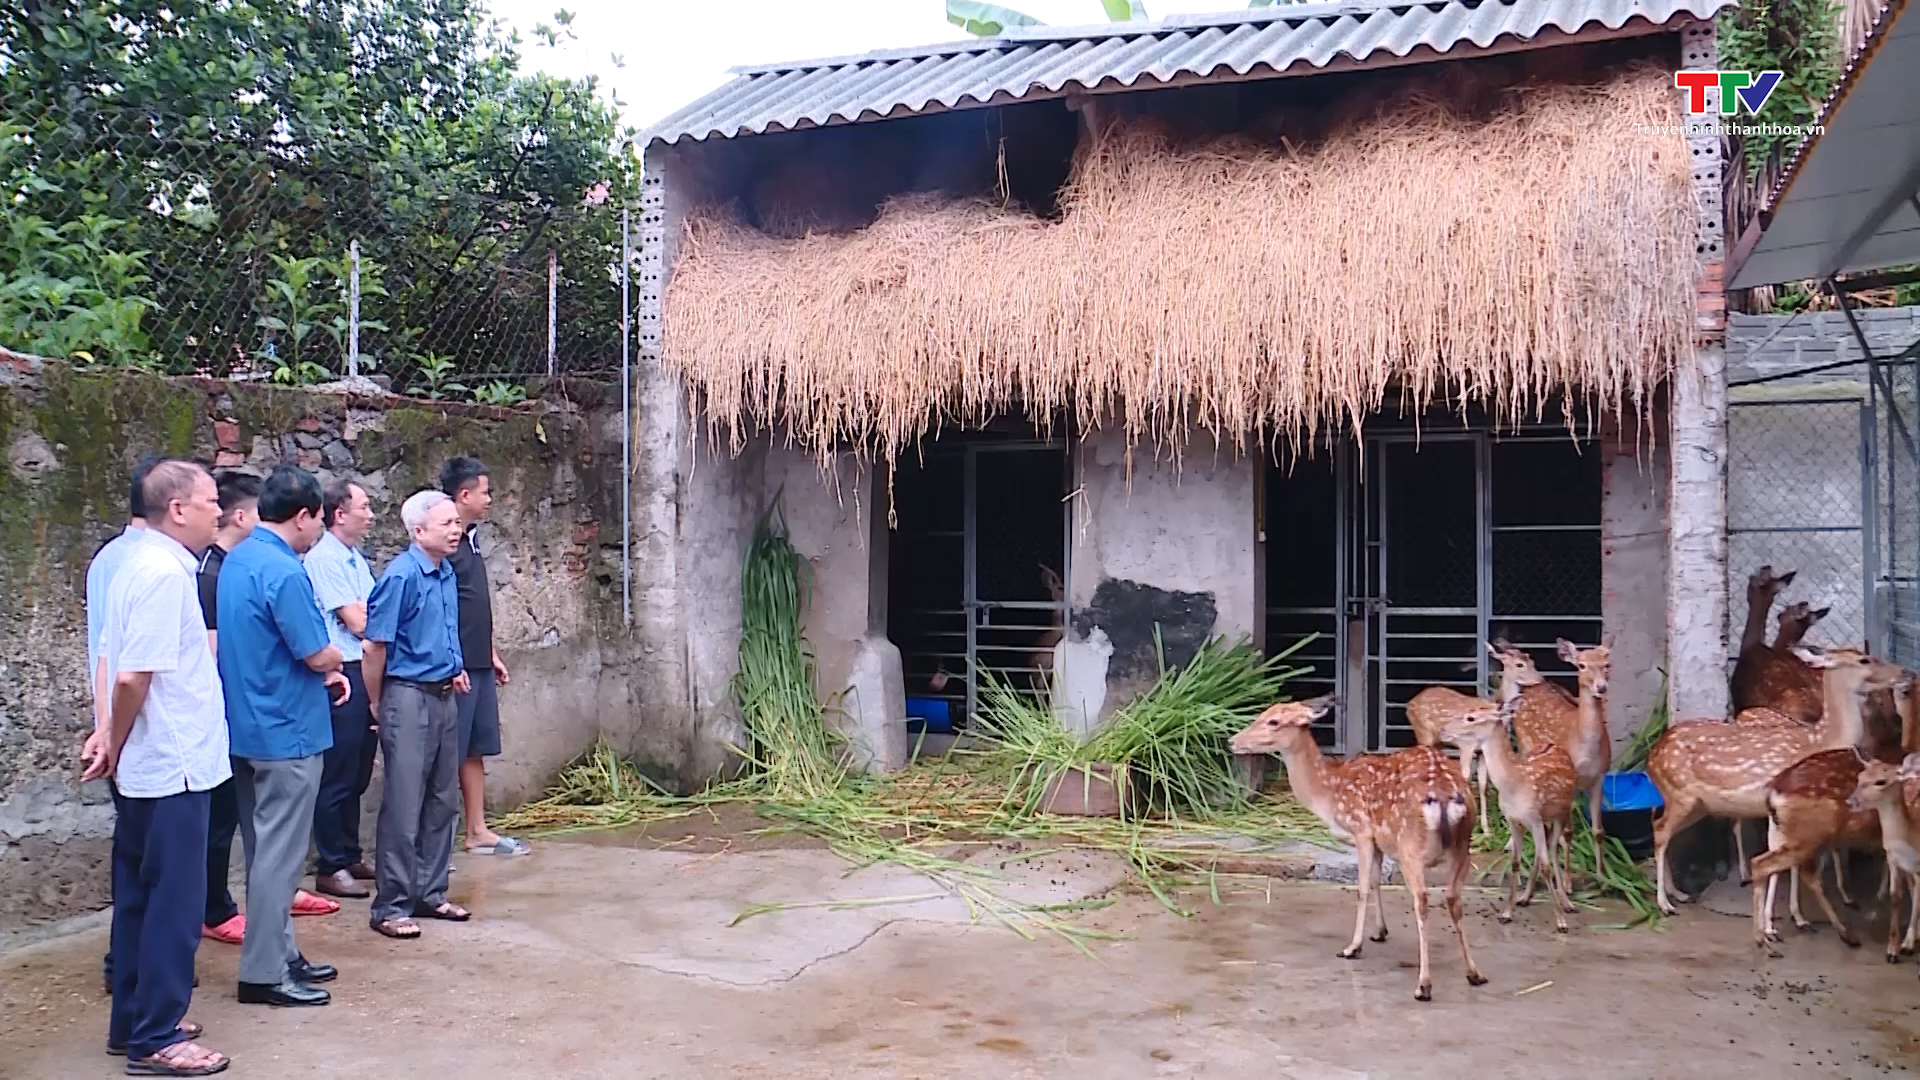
1071	350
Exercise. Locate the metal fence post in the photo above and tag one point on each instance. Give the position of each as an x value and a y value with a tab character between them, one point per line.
353	309
626	430
553	288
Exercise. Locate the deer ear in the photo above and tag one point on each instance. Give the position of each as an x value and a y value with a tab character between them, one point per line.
1320	706
1606	642
1786	579
1565	649
1818	613
1910	768
1862	755
1500	645
1812	659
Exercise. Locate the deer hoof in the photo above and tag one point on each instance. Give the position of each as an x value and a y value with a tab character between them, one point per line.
1381	936
1774	935
1352	953
1525	901
1804	926
1504	917
1474	978
1851	939
1425	993
1560	927
1893	956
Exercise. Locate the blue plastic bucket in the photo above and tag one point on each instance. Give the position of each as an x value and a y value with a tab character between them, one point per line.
929	714
1630	791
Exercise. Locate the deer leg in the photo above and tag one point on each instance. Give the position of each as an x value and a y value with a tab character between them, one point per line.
1680	812
1838	857
1596	798
1740	853
1819	891
1416	875
1513	871
1793	901
1765	869
1565	831
1543	852
1368	857
1457	877
1893	923
1913	911
1480	760
1533	871
1379	890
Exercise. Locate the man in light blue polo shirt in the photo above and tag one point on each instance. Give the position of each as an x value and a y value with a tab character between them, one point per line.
277	667
413	669
342	582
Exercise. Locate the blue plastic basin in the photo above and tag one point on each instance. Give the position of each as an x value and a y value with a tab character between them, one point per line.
1630	791
929	714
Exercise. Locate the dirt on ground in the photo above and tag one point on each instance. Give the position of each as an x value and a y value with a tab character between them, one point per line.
620	961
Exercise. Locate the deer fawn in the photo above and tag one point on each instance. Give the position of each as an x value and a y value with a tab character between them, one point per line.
1546	715
1412	804
1710	768
1882	789
1536	793
1756	656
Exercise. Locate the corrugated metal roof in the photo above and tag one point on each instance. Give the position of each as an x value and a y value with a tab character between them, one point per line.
1034	63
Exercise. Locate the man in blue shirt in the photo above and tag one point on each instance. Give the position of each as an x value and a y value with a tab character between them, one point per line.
342	582
276	668
412	666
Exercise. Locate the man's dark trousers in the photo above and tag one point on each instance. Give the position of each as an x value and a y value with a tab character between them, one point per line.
159	896
346	770
223	817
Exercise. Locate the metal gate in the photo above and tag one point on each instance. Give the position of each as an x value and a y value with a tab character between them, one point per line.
1404	553
973	600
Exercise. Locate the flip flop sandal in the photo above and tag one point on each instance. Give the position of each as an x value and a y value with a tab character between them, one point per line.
160	1066
396	929
187	1027
231	932
306	903
445	913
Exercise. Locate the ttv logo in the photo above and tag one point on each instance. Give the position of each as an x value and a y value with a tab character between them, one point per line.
1752	88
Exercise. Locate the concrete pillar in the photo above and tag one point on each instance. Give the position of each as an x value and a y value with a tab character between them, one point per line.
1697	400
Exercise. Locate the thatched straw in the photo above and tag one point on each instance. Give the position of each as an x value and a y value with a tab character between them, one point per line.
1543	252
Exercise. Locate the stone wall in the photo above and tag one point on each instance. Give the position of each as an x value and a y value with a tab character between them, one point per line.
552	552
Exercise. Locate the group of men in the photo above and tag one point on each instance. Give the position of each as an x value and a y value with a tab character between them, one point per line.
246	666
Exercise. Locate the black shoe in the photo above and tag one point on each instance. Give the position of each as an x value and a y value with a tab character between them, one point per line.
301	970
288	993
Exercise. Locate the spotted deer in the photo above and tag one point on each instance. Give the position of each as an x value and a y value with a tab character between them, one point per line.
1544	714
1536	794
1040	660
1412	804
1891	794
1430	712
1757	658
1712	768
1776	678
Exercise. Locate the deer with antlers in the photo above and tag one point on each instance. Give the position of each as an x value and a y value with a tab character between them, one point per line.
1536	794
1711	768
1411	804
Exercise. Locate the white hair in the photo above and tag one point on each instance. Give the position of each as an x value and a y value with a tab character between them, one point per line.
413	512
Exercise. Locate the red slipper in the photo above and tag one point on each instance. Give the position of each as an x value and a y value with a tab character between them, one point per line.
231	932
306	903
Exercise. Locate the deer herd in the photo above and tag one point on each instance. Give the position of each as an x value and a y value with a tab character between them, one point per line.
1824	746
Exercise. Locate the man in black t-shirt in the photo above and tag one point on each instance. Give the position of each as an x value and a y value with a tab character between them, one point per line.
464	479
239	499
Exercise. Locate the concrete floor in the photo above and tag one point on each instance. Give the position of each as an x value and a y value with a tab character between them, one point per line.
615	959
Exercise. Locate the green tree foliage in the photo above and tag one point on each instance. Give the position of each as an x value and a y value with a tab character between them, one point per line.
1794	37
164	164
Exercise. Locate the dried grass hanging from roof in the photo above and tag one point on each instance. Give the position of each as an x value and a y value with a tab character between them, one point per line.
1245	289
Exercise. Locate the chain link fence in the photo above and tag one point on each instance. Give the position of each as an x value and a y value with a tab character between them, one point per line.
296	195
1822	474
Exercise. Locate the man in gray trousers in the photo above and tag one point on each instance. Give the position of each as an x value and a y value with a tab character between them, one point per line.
276	669
412	668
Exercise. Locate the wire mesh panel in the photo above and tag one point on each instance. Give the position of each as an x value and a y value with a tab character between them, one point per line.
1795	502
1896	507
187	195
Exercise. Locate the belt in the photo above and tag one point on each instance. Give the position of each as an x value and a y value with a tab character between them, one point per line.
443	688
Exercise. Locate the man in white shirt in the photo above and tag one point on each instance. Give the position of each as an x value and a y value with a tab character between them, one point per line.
164	747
